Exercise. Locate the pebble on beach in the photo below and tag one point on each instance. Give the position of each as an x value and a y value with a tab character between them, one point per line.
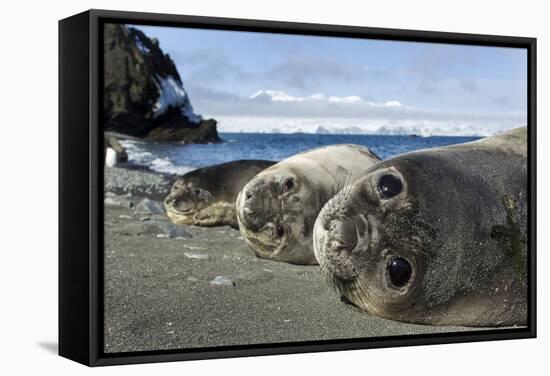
121	202
197	256
222	281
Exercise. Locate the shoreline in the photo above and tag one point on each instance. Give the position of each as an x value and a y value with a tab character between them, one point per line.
179	158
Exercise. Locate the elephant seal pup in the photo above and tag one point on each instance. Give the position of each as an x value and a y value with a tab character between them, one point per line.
277	209
206	196
434	237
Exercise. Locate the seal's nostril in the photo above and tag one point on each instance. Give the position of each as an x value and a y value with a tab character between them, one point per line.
347	236
350	232
248	194
342	251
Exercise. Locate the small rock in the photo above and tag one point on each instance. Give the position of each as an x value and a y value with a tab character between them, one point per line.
146	218
197	256
147	206
193	247
178	233
167	230
125	216
192	279
222	281
109	201
118	202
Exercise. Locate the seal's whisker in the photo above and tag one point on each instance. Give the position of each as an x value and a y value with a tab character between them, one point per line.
342	189
363	291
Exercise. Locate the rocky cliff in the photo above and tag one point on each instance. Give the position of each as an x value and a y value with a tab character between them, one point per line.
143	92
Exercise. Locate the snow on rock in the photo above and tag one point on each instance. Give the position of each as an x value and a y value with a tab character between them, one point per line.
172	94
139	44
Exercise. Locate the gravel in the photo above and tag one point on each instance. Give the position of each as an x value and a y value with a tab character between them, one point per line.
143	183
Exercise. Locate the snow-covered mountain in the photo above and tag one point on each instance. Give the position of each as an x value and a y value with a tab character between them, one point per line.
424	128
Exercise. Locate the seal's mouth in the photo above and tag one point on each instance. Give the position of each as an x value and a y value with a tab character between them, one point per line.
267	239
179	217
252	219
184	212
178	206
267	243
179	210
351	291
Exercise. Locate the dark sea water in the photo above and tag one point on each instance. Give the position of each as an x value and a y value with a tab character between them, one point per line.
181	158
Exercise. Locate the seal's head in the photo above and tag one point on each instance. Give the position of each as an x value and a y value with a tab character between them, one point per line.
407	241
276	211
185	201
360	240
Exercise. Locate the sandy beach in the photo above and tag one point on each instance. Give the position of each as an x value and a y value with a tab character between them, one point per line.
177	287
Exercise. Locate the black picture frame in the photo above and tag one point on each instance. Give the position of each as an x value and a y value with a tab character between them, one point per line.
81	186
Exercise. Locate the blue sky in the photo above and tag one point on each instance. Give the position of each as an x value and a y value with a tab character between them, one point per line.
405	84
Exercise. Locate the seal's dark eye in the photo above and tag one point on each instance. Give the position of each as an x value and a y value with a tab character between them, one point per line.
279	231
288	185
399	271
390	186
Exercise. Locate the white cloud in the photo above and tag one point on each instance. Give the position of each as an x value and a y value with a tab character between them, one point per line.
281	96
393	104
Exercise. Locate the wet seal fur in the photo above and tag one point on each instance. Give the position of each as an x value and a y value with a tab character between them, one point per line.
276	210
206	196
444	244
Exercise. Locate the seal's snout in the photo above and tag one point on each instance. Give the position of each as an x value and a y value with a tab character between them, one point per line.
170	200
336	241
178	202
251	216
